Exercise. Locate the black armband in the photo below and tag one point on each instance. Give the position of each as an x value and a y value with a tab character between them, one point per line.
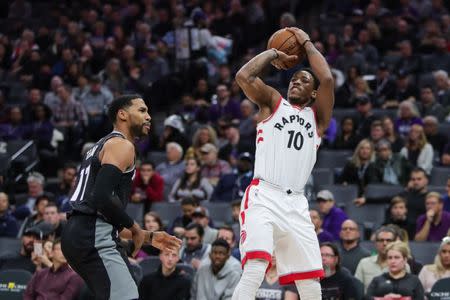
108	178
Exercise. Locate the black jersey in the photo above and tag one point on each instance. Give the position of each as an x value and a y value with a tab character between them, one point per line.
82	198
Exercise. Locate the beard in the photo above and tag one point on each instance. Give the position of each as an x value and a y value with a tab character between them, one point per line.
137	130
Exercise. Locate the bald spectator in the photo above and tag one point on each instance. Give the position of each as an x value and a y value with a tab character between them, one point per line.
51	97
351	251
213	167
435	224
173	168
434	137
322	235
333	217
8	223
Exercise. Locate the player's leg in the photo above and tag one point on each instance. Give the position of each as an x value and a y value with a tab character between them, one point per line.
309	289
251	279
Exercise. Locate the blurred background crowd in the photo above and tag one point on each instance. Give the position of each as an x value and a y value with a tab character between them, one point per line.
379	194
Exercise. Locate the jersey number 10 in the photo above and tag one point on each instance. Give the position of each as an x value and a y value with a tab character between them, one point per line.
295	140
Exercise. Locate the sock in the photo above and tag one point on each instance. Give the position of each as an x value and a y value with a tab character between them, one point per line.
309	289
252	277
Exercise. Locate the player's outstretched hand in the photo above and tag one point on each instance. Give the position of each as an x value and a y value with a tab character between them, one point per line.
283	58
138	236
164	241
300	35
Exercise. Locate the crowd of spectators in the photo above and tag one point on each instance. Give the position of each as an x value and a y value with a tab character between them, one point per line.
62	63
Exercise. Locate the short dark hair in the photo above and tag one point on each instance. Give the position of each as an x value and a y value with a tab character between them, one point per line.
227	228
56	242
197	227
335	252
52	204
120	102
221	243
148	162
386	229
70	165
316	80
42	198
236	202
189	201
419	170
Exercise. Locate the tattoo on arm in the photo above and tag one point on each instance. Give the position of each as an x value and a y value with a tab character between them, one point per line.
255	66
311	50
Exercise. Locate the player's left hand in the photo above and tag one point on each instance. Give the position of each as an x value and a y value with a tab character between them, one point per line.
300	35
279	63
164	241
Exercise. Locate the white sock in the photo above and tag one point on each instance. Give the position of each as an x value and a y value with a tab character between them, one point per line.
251	279
309	289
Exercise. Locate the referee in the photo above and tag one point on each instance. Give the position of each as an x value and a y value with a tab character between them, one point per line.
90	240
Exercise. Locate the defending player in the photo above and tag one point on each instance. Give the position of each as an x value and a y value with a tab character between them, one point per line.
90	238
274	212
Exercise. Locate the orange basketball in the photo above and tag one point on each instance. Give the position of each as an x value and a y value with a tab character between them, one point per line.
284	40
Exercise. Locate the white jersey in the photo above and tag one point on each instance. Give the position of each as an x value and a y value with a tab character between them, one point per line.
286	146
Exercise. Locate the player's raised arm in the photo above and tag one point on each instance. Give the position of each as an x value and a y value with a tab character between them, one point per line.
254	88
325	94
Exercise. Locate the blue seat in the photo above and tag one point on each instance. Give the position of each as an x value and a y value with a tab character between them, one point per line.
378	191
424	252
322	176
9	247
343	194
332	159
439	176
136	211
220	213
13	283
167	211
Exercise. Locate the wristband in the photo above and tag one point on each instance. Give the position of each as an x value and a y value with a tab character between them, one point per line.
275	52
303	44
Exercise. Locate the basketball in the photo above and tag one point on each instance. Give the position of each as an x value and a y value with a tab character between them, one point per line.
284	40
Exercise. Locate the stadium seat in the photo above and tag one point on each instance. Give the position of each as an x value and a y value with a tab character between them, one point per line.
439	189
332	159
440	290
157	157
341	113
369	214
444	128
13	283
424	252
9	247
149	265
380	112
167	211
220	213
136	211
378	191
322	176
439	176
187	268
343	194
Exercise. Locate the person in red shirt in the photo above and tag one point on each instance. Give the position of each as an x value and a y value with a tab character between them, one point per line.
148	185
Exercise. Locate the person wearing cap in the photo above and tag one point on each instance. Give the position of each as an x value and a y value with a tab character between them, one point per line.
58	281
235	144
322	235
333	217
154	65
365	116
201	216
173	132
213	167
384	84
232	186
404	90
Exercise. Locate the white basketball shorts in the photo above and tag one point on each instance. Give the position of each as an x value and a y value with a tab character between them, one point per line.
276	222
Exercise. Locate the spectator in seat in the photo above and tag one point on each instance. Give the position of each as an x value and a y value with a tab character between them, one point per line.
417	150
235	144
203	135
8	223
232	186
407	116
405	90
434	225
384	85
350	57
409	60
365	116
34	98
56	282
415	194
194	250
396	282
62	189
445	158
446	196
338	282
391	135
148	185
372	266
434	137
227	233
15	129
52	217
351	251
270	287
168	282
152	223
201	216
223	105
442	88
218	279
333	217
213	167
322	235
178	226
391	168
347	138
397	214
376	132
191	185
172	168
440	269
37	216
247	126
360	170
428	106
173	132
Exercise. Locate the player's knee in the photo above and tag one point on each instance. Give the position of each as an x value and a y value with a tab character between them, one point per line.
255	269
309	289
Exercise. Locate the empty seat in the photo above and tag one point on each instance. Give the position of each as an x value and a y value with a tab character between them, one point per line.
376	191
424	252
439	176
322	176
149	265
136	211
9	247
220	213
13	283
167	211
368	214
332	159
343	194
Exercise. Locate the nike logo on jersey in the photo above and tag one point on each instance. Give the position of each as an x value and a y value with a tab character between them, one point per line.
296	119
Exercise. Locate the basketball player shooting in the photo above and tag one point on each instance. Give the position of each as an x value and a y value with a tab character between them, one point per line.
274	211
90	240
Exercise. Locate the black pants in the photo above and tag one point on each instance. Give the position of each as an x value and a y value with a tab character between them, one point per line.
91	249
